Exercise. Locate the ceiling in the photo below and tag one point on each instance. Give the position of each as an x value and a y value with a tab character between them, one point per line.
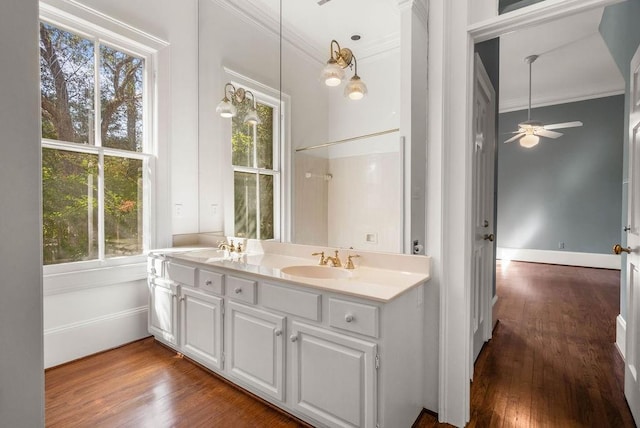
574	62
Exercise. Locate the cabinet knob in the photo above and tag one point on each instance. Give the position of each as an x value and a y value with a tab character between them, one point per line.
208	282
349	318
293	338
182	298
238	290
153	271
278	332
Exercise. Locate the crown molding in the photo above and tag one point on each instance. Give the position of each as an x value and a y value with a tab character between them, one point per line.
522	103
419	7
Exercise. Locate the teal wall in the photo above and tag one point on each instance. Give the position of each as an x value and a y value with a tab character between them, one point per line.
563	190
620	30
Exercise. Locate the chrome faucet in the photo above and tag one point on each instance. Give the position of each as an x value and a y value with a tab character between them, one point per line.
335	261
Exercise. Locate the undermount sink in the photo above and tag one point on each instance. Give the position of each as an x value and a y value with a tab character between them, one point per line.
318	272
207	254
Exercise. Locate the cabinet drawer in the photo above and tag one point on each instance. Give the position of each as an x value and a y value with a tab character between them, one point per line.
241	289
155	266
294	302
354	317
212	282
181	273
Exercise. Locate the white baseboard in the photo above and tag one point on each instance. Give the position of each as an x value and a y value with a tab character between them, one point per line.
605	261
621	335
77	340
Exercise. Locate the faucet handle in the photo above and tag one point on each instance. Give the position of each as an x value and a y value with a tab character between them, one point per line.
349	264
232	247
322	261
239	247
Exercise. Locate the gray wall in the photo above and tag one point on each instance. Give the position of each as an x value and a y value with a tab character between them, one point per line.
564	190
505	6
621	34
21	355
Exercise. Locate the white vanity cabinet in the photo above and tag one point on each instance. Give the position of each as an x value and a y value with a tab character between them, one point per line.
334	377
163	310
255	348
201	327
327	357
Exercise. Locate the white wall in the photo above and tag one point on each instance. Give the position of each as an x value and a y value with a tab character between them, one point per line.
21	365
88	312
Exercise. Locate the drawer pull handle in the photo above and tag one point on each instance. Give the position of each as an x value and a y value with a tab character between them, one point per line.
238	290
278	332
349	318
208	282
293	337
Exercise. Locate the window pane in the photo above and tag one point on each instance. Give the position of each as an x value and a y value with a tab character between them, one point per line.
66	85
69	206
241	137
266	206
122	206
265	137
121	78
245	208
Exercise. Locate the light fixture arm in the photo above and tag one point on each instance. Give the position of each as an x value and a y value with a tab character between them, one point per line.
331	51
231	92
253	98
355	62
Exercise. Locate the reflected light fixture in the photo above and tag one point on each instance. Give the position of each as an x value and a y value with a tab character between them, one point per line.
227	109
333	72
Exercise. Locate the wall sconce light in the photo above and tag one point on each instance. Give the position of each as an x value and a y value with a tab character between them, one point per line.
333	72
227	109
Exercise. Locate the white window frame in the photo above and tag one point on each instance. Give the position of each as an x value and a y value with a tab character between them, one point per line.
102	29
281	163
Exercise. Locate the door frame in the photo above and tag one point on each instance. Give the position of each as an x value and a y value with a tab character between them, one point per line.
449	186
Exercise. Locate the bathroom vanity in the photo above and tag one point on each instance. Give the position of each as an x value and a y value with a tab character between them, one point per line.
333	346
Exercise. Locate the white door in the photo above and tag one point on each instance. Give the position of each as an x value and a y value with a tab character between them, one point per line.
334	377
255	348
201	327
632	358
483	258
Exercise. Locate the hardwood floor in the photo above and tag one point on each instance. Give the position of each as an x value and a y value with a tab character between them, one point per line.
552	362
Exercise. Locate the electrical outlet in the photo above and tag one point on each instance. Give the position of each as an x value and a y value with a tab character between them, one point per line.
214	210
561	245
178	210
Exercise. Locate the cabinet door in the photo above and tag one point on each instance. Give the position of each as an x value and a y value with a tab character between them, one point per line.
255	348
163	314
201	327
334	377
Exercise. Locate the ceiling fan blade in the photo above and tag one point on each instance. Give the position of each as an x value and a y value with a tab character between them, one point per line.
515	137
563	125
547	133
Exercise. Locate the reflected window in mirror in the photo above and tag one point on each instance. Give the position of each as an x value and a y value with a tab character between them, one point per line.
256	170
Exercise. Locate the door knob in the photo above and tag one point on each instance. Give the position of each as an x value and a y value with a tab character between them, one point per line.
489	237
618	249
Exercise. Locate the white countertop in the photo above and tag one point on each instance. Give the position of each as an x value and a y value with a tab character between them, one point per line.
393	275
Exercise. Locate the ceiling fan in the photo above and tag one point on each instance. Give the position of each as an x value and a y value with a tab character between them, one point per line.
529	132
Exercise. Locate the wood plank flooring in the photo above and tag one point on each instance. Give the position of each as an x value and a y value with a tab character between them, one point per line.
552	362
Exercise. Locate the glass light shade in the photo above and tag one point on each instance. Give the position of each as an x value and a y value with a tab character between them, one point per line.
332	73
252	117
529	141
355	89
226	109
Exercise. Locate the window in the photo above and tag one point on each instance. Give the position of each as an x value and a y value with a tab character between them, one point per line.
96	145
256	171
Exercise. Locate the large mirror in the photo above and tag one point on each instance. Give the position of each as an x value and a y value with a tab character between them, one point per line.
344	157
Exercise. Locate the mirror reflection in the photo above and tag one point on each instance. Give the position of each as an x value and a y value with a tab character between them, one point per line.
337	173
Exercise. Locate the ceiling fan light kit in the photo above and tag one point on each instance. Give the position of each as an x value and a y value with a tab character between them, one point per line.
530	131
